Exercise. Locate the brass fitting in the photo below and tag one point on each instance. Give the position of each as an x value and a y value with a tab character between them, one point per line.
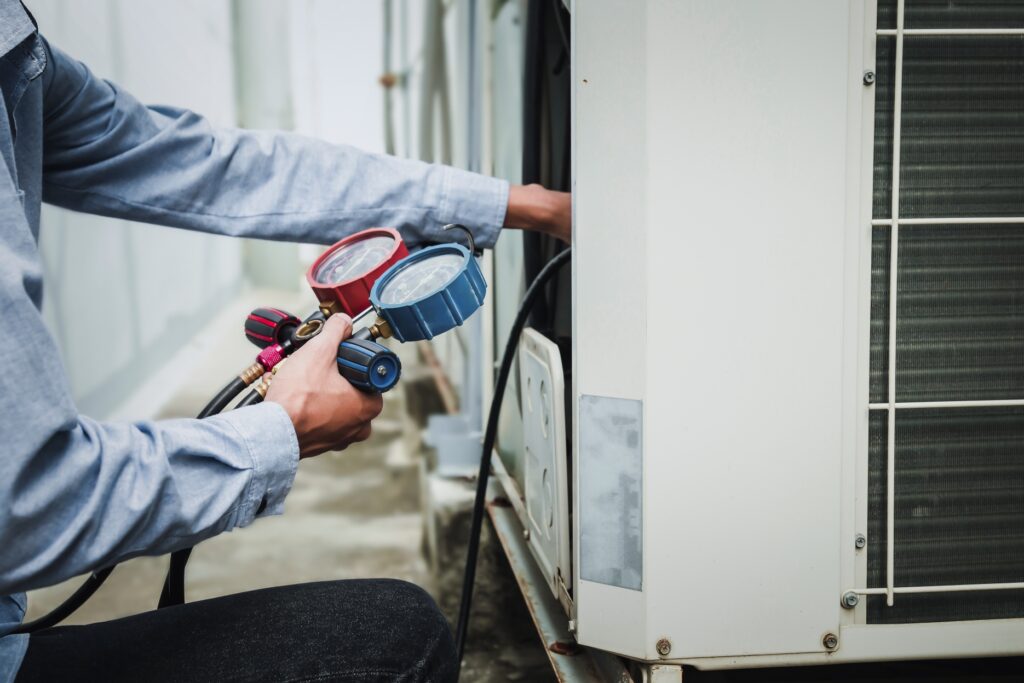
309	330
264	386
251	373
380	329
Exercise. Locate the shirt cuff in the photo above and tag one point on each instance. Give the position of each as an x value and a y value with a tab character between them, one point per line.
270	439
477	201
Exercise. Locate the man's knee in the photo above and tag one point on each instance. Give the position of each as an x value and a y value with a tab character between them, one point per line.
418	628
405	597
398	624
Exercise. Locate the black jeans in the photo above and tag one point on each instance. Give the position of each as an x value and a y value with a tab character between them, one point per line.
360	630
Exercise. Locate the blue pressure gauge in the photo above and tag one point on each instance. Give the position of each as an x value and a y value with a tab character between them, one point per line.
430	292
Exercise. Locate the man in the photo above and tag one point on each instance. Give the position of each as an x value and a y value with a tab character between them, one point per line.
77	494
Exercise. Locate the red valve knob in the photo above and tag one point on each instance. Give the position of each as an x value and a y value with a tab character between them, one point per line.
267	326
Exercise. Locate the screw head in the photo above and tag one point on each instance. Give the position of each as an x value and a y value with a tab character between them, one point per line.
526	534
860	541
663	646
381	370
869	77
830	641
850	599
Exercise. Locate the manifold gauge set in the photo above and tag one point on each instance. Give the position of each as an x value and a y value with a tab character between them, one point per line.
415	297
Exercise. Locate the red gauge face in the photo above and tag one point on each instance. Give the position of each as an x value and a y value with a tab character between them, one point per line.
344	274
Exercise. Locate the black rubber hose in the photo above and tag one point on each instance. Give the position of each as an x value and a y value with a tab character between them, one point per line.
173	592
251	399
223	398
64	610
490	434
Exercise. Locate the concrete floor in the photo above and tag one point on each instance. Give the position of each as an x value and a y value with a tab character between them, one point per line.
350	514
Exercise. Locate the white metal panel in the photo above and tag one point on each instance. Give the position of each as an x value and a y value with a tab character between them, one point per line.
711	189
609	250
747	192
991	638
542	397
860	164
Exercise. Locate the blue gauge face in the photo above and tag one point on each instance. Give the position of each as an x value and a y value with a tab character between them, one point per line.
422	278
430	292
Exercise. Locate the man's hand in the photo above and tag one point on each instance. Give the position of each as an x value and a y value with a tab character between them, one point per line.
532	207
327	411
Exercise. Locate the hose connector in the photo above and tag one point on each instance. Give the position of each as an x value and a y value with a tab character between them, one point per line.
270	356
381	329
263	386
252	373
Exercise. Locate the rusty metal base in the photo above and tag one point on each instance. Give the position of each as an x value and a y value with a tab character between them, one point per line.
570	661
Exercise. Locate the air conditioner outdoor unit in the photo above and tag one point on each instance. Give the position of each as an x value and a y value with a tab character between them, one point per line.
798	332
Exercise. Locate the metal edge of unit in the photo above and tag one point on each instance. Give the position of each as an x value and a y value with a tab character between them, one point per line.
574	662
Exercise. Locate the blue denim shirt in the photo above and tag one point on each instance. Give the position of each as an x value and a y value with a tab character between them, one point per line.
77	494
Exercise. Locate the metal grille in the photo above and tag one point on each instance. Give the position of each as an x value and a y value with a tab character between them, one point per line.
946	461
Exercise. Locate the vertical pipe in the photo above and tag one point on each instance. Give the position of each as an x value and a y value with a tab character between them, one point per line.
403	58
388	85
433	16
894	235
472	378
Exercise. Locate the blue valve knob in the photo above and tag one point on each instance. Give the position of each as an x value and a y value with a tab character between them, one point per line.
368	365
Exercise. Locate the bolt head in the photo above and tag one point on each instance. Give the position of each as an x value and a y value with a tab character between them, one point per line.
869	77
850	599
830	641
860	541
381	370
663	646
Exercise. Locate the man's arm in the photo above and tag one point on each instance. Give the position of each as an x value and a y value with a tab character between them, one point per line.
106	153
77	495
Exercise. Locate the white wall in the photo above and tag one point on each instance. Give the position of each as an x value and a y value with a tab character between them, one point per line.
336	61
150	283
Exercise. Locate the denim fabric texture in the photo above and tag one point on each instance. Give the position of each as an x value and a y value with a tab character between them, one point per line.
368	631
77	494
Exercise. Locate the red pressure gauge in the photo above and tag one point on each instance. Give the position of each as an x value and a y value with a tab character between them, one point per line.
344	274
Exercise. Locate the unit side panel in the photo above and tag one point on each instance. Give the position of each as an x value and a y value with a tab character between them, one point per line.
610	190
746	120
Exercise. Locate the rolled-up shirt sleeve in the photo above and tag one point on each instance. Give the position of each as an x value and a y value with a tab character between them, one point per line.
106	153
273	452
